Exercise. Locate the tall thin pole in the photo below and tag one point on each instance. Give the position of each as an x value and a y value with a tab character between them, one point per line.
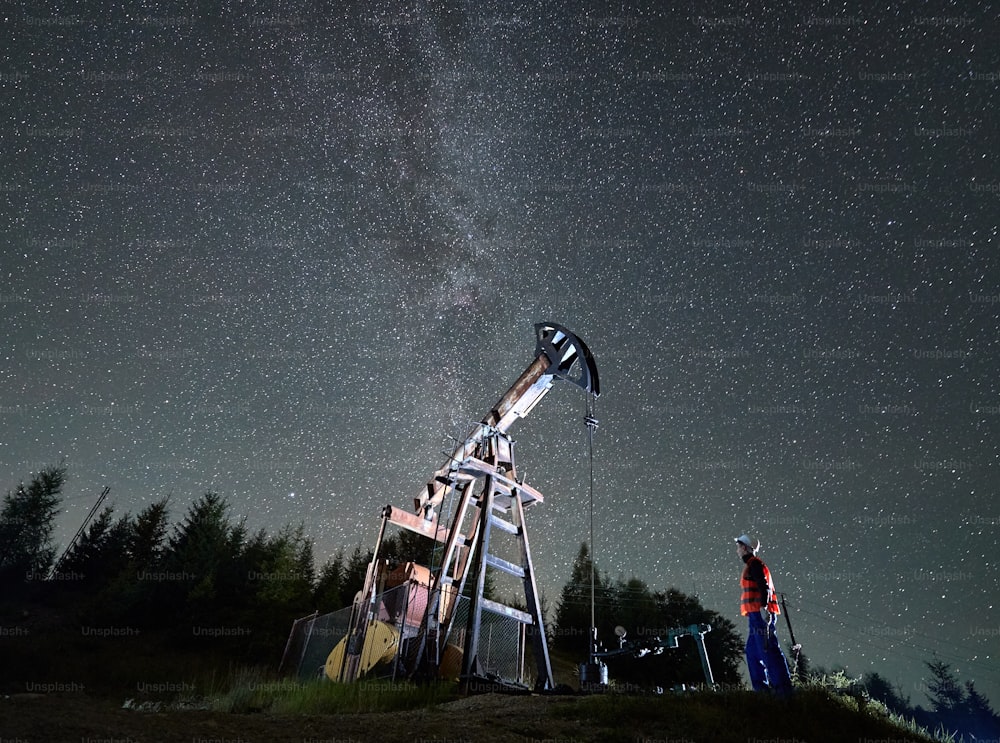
79	532
796	648
591	422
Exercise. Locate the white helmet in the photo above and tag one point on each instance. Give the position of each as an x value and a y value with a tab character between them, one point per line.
751	544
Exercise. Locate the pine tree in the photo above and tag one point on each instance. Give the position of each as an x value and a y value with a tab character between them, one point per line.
27	520
976	702
78	560
201	573
279	569
149	532
273	578
571	629
948	707
328	593
944	691
983	722
130	570
101	553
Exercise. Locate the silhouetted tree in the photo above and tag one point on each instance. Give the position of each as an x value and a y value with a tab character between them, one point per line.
88	548
101	554
117	564
571	629
943	689
983	723
149	532
27	520
199	570
274	579
958	708
328	594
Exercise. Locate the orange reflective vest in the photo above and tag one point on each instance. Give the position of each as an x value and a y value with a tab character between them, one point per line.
751	600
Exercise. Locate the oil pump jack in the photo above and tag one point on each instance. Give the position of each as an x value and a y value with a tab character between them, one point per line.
434	628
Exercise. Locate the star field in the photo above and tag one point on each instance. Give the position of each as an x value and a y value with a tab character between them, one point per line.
285	251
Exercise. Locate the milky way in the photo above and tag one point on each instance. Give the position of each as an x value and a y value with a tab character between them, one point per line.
285	252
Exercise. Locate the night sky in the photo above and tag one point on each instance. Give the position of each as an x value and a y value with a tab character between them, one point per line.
286	252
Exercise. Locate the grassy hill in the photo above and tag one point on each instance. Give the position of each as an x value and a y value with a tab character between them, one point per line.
387	712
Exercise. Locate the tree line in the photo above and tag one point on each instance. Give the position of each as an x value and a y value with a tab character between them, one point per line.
204	574
207	572
954	706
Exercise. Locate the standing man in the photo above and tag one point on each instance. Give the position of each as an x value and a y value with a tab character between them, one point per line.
759	604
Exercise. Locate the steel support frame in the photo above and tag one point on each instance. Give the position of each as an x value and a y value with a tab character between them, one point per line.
486	457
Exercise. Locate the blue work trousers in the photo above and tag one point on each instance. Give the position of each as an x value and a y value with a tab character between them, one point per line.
765	661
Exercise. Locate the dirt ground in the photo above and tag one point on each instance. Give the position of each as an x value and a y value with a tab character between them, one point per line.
39	718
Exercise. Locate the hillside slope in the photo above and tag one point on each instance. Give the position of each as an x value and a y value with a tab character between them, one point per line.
813	716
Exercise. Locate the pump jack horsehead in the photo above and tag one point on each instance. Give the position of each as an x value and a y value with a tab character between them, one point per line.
430	637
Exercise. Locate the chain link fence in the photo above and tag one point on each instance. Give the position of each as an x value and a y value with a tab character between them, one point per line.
501	648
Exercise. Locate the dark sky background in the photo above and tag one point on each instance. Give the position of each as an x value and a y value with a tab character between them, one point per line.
284	252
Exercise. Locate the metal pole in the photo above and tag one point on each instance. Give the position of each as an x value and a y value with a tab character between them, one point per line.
698	632
79	532
796	648
591	422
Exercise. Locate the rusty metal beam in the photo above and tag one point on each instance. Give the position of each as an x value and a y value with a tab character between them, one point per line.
430	529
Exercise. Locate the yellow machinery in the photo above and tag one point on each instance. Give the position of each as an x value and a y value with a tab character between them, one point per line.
380	645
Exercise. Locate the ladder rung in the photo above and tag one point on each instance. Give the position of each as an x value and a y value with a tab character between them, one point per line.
503	525
504	565
508	611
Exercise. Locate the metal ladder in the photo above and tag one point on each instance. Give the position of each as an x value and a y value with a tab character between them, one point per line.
467	556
